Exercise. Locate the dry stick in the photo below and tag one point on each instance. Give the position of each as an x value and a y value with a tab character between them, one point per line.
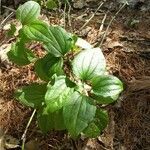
93	14
26	129
111	23
102	23
6	19
11	9
101	27
65	15
68	14
59	5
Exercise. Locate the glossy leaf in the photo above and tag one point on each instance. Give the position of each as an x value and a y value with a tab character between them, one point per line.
78	114
57	95
99	123
83	44
28	12
61	43
22	36
20	55
47	66
55	39
32	95
106	89
38	31
89	63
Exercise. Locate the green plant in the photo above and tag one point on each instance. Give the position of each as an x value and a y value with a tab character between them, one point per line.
51	4
73	89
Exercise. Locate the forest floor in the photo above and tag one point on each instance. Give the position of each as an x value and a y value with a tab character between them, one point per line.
127	50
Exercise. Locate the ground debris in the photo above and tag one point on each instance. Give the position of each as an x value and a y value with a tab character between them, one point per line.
7	141
126	51
133	116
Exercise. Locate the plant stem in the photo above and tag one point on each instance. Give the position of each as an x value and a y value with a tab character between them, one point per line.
26	129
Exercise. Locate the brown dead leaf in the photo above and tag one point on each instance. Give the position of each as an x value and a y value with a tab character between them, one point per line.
11	142
112	43
3	52
7	141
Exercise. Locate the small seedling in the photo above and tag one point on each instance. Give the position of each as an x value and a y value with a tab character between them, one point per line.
73	89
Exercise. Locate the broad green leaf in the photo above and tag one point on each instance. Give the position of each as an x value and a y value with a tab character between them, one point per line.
23	38
48	121
32	95
106	89
101	119
89	63
78	113
20	55
58	120
61	43
70	83
98	124
57	95
83	44
47	66
44	120
28	12
38	31
92	130
55	39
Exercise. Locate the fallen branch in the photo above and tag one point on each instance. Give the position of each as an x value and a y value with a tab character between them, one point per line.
11	9
93	14
111	23
102	23
6	19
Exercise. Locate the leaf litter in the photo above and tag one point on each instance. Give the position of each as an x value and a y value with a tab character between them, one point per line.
128	128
